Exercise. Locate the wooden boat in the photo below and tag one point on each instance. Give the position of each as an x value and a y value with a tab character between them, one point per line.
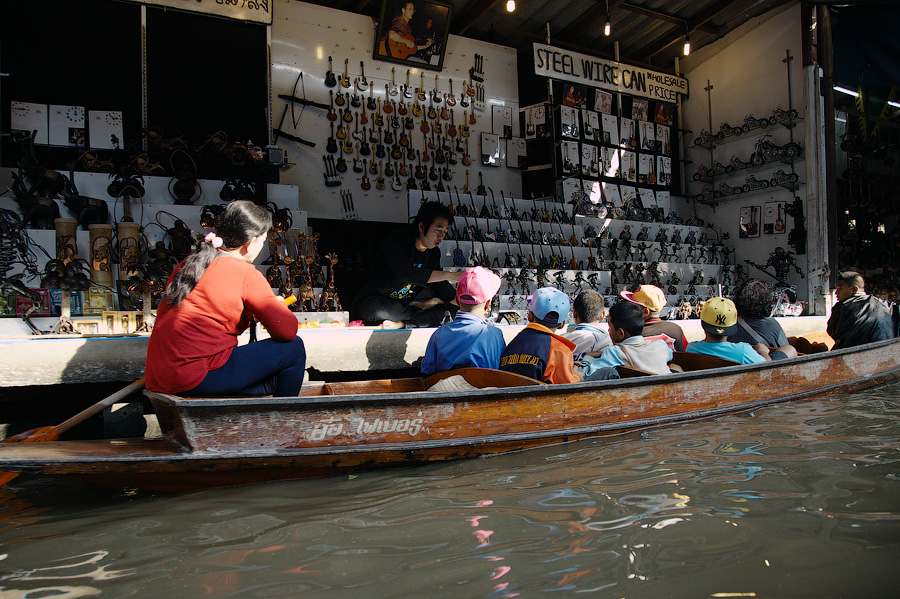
342	427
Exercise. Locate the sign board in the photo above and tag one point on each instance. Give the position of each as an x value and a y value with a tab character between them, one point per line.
557	63
259	11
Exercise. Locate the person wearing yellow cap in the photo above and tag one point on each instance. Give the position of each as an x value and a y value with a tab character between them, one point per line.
719	319
652	299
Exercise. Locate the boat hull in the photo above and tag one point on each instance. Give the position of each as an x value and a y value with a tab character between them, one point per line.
214	442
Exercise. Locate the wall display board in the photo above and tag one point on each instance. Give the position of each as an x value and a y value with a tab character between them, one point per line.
259	11
381	130
535	242
610	148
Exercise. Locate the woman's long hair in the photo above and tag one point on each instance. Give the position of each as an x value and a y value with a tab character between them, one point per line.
241	222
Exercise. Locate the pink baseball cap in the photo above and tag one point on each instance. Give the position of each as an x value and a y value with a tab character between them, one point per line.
477	286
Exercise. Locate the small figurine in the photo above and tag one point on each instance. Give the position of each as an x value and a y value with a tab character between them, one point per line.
643	234
662	236
329	300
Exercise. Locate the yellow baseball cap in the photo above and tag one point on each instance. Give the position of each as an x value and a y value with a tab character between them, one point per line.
648	296
719	316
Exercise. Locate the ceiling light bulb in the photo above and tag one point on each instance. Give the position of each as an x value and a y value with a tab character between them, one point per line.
510	5
608	27
687	45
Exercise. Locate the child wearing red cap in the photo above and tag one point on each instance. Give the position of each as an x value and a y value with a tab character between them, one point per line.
469	340
537	351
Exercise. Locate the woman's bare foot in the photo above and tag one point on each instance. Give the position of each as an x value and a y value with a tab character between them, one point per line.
392	324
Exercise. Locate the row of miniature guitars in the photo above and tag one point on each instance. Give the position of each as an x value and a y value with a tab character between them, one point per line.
397	115
472	92
401	135
383	143
398	175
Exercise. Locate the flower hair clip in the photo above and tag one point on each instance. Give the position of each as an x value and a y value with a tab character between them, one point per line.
213	240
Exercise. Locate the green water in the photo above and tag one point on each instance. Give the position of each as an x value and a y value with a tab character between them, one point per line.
797	500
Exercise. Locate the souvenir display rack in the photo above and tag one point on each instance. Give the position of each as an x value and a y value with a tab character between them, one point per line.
537	242
619	144
765	155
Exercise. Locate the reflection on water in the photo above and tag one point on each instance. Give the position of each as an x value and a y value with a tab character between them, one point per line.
795	500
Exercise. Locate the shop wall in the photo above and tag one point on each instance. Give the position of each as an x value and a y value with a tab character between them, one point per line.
749	76
304	36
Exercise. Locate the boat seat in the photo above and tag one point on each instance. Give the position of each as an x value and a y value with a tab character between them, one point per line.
483	378
627	372
373	387
690	362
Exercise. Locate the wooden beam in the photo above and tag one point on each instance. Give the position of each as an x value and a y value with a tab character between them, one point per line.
474	15
692	24
647	12
588	20
576	47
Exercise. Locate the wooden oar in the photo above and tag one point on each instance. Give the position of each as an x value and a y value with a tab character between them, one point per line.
52	433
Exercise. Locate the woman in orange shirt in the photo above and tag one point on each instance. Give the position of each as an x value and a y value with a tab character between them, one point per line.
210	300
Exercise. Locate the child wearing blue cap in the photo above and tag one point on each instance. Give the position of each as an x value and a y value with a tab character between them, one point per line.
537	351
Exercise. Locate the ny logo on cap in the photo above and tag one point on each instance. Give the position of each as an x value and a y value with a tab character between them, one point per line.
720	319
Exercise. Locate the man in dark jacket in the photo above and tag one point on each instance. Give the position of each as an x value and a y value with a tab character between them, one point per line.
858	318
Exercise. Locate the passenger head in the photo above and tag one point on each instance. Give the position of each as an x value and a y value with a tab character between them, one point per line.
548	306
719	317
241	223
753	299
588	306
626	319
431	223
649	297
848	283
476	288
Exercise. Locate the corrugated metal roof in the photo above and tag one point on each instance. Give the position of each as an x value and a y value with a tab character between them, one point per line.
648	31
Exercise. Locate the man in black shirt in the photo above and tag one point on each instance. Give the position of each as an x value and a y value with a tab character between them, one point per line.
858	318
405	286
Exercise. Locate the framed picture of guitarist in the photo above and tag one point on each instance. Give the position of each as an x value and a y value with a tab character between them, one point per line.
413	33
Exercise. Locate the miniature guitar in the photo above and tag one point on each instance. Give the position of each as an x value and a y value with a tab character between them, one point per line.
370	102
480	190
345	78
331	146
436	96
361	81
393	90
332	114
330	79
451	99
379	182
779	223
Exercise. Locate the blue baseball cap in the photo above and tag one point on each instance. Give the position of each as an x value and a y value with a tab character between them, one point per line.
546	300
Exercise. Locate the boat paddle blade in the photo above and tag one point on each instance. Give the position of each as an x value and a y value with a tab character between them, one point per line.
51	433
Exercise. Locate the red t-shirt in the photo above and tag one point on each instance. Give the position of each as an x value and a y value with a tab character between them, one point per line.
196	337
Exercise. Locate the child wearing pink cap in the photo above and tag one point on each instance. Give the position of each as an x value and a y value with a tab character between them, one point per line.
469	340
